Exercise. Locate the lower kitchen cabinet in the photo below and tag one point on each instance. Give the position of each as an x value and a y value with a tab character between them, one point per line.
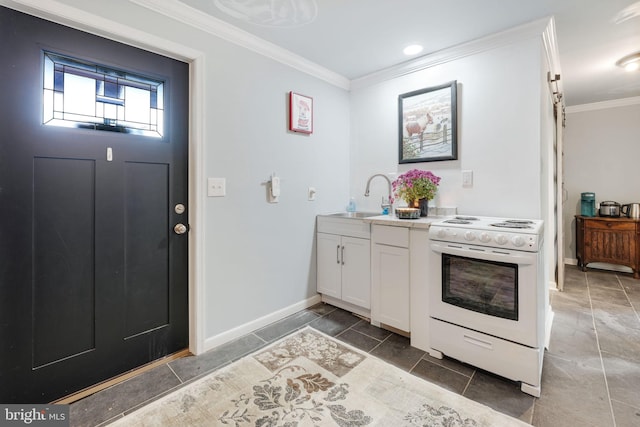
390	284
344	268
343	249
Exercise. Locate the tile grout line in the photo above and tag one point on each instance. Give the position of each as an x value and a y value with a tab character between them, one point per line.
379	344
534	407
628	299
260	338
365	334
466	387
446	367
174	373
595	331
416	364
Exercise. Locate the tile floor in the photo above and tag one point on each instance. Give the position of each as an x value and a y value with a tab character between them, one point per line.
591	373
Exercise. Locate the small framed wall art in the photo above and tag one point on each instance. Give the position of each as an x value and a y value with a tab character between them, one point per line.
300	113
427	121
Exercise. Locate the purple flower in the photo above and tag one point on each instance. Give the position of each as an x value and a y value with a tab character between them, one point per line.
416	184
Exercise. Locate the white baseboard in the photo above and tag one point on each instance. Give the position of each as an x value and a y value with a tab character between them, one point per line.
237	332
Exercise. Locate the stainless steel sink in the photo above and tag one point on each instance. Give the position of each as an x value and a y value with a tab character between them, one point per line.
357	215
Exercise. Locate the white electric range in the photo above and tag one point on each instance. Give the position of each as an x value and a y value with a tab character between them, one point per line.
487	295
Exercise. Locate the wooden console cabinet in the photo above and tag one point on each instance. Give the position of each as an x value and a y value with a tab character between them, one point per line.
608	240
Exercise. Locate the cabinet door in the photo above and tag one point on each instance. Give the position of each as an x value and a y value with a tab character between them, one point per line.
356	271
612	242
391	278
329	248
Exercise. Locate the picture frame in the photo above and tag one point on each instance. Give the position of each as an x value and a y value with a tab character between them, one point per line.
427	124
300	113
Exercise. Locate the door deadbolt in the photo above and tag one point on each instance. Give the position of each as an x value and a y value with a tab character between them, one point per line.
179	209
180	228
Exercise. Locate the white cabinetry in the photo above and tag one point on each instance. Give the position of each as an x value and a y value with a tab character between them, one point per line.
420	272
344	263
390	277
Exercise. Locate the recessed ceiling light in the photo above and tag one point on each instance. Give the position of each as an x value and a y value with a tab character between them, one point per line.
630	62
412	49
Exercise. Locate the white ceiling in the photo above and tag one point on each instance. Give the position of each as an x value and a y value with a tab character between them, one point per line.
355	38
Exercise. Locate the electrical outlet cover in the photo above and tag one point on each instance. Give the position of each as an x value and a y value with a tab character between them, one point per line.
216	187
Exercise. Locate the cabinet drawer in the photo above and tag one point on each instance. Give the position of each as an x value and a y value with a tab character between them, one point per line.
487	352
392	236
344	227
609	225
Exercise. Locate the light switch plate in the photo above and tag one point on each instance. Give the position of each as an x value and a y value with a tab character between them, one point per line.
467	178
216	187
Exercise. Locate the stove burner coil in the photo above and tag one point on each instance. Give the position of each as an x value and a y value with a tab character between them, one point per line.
466	218
457	221
519	221
511	224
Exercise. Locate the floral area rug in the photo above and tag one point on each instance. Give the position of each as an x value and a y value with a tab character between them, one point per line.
310	379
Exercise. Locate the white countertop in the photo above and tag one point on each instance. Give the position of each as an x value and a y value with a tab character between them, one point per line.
422	222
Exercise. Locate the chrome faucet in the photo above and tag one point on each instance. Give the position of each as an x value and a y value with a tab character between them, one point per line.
385	203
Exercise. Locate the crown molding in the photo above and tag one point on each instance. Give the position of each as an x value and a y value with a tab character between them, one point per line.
216	27
60	13
492	41
622	102
55	11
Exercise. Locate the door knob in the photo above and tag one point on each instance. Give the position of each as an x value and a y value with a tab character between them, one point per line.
180	228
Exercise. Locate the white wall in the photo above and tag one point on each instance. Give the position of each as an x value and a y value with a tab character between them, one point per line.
498	132
259	256
601	152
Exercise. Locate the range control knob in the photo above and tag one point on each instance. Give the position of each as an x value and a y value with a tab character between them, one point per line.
469	235
484	237
518	241
501	239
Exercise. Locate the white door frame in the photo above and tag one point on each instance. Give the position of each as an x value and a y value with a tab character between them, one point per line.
560	194
54	11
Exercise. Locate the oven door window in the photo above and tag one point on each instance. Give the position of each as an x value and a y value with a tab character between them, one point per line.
486	287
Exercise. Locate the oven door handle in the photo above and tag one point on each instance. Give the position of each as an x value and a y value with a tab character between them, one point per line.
488	254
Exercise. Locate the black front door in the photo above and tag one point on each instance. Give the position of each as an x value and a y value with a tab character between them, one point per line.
93	277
